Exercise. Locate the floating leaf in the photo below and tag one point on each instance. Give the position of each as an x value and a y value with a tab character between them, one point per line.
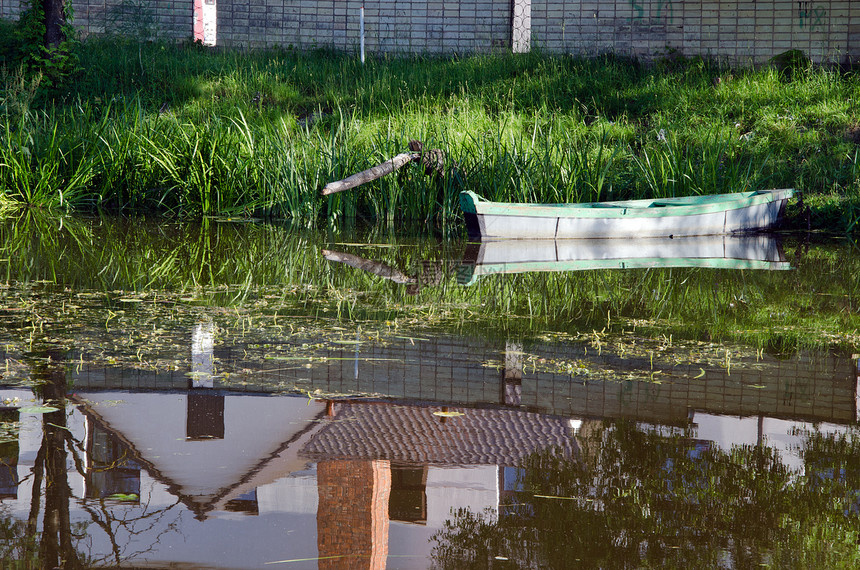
556	497
38	410
130	497
448	414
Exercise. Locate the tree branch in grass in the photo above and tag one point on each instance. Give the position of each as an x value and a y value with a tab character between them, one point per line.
370	174
432	160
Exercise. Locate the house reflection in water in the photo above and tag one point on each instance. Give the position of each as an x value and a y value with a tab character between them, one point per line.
375	462
381	462
378	478
353	483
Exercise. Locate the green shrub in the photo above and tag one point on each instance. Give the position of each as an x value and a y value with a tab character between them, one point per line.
55	64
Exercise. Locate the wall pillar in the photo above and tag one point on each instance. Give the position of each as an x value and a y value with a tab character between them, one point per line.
205	22
521	26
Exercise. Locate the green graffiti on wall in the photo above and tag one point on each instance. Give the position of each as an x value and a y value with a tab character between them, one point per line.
811	18
663	10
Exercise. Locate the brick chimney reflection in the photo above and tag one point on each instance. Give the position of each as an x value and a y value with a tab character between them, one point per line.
352	514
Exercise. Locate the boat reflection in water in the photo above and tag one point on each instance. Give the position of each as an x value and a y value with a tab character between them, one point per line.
493	257
745	251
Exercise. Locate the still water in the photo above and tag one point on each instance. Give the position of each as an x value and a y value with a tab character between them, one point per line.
240	395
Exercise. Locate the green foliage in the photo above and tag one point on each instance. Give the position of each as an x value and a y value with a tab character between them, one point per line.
791	61
50	167
19	546
18	94
8	45
55	64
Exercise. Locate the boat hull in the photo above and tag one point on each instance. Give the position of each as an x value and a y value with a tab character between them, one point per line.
694	216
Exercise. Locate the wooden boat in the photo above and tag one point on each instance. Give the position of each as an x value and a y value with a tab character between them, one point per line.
748	251
665	217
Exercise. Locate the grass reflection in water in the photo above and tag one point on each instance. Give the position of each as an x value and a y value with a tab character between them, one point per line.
266	270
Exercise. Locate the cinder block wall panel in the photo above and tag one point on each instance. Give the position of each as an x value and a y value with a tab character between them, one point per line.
390	26
9	9
740	31
161	19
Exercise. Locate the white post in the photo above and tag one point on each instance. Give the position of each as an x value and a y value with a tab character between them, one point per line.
202	355
361	31
857	389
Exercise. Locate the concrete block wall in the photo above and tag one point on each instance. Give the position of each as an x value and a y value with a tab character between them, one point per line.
9	9
739	31
165	19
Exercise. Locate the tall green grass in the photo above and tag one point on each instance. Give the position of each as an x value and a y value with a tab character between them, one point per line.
188	131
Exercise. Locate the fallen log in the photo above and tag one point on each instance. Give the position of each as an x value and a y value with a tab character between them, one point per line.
370	174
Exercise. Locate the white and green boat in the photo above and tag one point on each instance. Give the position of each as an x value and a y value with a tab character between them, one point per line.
665	217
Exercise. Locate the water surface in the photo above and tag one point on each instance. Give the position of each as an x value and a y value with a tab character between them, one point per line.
240	395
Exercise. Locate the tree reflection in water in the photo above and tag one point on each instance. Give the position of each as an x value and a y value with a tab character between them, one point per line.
636	497
61	543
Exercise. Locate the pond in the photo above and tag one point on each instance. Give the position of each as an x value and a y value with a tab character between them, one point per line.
232	394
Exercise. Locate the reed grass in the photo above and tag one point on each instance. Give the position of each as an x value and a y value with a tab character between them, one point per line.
188	131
